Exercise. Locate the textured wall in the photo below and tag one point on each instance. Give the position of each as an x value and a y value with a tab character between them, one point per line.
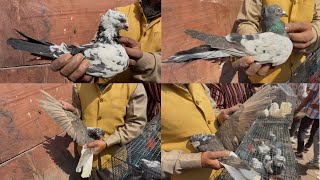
210	16
71	21
30	148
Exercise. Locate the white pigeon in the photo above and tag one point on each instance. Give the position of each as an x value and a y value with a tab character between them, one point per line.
108	57
75	128
272	46
282	111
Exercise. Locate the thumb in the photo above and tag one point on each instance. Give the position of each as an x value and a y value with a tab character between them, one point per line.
91	145
219	154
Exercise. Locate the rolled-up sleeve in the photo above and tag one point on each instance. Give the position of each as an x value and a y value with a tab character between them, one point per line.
315	43
135	120
174	161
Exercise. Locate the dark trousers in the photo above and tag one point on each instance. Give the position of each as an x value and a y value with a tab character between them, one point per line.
304	125
294	127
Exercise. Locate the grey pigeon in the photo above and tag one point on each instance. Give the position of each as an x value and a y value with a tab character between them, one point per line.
272	46
75	128
108	57
150	169
232	131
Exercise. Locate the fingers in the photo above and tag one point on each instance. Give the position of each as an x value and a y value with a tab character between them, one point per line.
71	65
264	70
243	62
297	27
301	37
218	154
253	69
126	41
59	63
134	53
79	72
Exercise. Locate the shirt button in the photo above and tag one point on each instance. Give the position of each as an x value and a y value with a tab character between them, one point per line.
101	100
99	118
197	103
145	33
209	122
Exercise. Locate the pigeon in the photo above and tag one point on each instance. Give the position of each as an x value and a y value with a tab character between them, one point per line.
282	111
272	46
75	128
264	149
150	169
108	57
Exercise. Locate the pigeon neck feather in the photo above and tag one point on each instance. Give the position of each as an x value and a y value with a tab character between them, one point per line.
107	34
274	25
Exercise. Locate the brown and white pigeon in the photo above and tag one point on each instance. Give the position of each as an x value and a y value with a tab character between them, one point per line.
75	128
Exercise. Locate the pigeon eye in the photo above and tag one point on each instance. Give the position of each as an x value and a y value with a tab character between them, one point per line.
122	20
278	11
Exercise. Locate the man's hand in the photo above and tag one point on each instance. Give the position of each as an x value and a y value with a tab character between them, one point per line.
133	49
210	160
69	107
250	67
225	113
72	67
300	34
97	145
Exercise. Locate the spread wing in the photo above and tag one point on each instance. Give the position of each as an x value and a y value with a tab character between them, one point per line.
234	128
69	122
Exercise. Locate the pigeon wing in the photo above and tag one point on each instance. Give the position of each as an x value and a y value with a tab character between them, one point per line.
65	119
214	41
234	128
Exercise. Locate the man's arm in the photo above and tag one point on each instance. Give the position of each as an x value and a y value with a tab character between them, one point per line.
308	99
148	68
175	161
315	43
135	120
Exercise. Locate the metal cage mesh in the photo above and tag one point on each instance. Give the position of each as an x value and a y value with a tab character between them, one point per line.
127	163
248	149
308	69
284	94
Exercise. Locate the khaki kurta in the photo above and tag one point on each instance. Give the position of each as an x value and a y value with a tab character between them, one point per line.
120	110
186	111
298	11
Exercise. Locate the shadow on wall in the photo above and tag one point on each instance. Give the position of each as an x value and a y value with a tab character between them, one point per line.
59	151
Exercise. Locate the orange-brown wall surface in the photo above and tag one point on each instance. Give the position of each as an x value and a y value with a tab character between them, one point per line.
210	16
71	21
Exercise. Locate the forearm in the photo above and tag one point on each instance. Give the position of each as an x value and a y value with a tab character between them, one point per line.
135	119
315	43
305	101
175	161
148	68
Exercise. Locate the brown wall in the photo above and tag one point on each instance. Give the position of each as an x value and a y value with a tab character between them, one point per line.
30	148
71	21
210	16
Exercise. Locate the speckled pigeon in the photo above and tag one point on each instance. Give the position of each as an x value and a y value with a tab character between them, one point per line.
75	128
272	46
108	57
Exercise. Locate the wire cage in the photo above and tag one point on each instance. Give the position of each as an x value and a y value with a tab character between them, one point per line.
140	159
282	108
308	69
276	137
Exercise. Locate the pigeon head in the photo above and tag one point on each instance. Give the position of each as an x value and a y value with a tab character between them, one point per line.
273	11
271	21
116	19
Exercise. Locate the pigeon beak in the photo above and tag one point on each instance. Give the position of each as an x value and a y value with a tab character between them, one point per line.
126	27
284	14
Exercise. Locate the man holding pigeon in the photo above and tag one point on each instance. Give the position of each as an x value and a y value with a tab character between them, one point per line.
118	109
142	43
302	25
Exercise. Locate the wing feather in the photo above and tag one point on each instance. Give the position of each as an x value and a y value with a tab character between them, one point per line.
68	121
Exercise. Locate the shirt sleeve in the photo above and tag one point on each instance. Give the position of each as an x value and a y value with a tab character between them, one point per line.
135	120
174	161
315	43
148	68
249	16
